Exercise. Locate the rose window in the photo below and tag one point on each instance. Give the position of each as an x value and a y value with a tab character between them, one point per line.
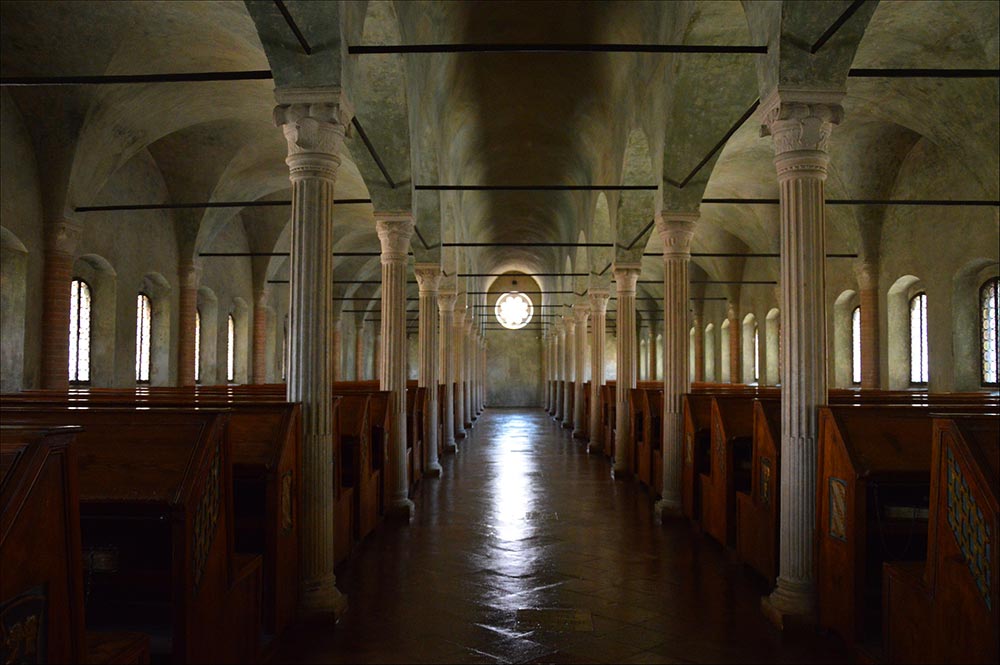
514	310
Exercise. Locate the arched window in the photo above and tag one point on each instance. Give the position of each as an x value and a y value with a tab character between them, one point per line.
231	351
143	330
197	345
989	305
918	339
284	351
856	345
756	354
79	332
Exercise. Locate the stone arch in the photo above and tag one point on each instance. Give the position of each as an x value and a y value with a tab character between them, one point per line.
14	304
751	350
725	376
158	289
966	321
710	352
772	340
898	329
601	231
97	272
208	307
843	338
635	208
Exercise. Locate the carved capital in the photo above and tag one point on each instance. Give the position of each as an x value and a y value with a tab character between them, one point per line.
866	273
62	236
569	323
314	121
801	120
428	277
626	276
394	232
581	311
446	301
676	229
599	300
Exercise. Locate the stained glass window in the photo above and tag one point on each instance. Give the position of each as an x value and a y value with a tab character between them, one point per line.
856	345
918	339
231	351
989	301
143	329
197	346
79	332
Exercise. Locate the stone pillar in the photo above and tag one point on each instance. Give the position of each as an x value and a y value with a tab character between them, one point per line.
458	335
428	280
468	343
626	276
258	369
359	351
553	369
560	368
735	341
867	274
546	369
338	350
313	122
446	322
599	312
569	363
699	346
801	125
188	276
61	239
676	230
581	312
394	233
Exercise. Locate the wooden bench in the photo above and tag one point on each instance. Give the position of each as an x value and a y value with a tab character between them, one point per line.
947	608
359	492
156	529
609	409
757	510
731	436
653	432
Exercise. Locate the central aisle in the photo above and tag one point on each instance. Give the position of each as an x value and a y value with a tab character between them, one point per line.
524	519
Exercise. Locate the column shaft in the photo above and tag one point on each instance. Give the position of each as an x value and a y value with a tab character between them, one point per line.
467	344
699	349
569	362
188	310
458	338
598	310
359	353
735	343
446	322
626	276
428	278
868	295
258	370
60	242
580	312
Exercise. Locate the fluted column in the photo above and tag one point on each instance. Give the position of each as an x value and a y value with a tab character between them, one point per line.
188	275
560	367
258	368
581	312
676	229
569	362
458	339
337	340
598	311
394	233
313	124
550	350
359	350
867	274
699	347
626	276
468	342
428	280
446	322
61	238
735	341
546	370
801	126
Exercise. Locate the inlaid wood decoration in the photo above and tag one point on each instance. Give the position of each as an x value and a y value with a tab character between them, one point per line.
838	509
286	502
765	480
206	516
22	628
689	448
973	534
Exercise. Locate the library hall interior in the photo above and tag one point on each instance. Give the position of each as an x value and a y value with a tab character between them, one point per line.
499	331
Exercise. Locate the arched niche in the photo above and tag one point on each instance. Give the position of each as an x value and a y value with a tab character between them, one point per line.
724	333
97	272
14	305
898	330
157	288
843	338
772	342
710	352
967	322
751	349
208	346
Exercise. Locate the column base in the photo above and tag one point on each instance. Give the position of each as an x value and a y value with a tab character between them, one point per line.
434	470
450	448
401	509
580	434
460	434
595	448
567	424
321	596
667	509
790	608
468	426
621	473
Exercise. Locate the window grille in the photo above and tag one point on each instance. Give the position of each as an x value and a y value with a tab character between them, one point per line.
989	301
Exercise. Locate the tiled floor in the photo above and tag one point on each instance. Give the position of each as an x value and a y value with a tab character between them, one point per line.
523	518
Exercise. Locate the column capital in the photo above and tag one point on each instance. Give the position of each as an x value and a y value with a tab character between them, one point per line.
314	121
676	229
428	277
866	272
581	311
626	276
446	301
189	274
62	236
394	232
569	323
801	120
599	300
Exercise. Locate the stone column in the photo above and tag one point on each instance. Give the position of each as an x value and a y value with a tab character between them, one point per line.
468	343
458	341
428	280
258	370
188	276
569	363
699	346
676	230
735	341
394	233
599	312
801	125
446	322
546	369
359	351
338	349
560	367
626	276
61	238
581	312
313	122
551	351
867	274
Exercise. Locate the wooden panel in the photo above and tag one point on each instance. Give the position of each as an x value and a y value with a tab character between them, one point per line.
731	436
757	510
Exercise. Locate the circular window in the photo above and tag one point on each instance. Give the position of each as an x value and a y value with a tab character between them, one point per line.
514	310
